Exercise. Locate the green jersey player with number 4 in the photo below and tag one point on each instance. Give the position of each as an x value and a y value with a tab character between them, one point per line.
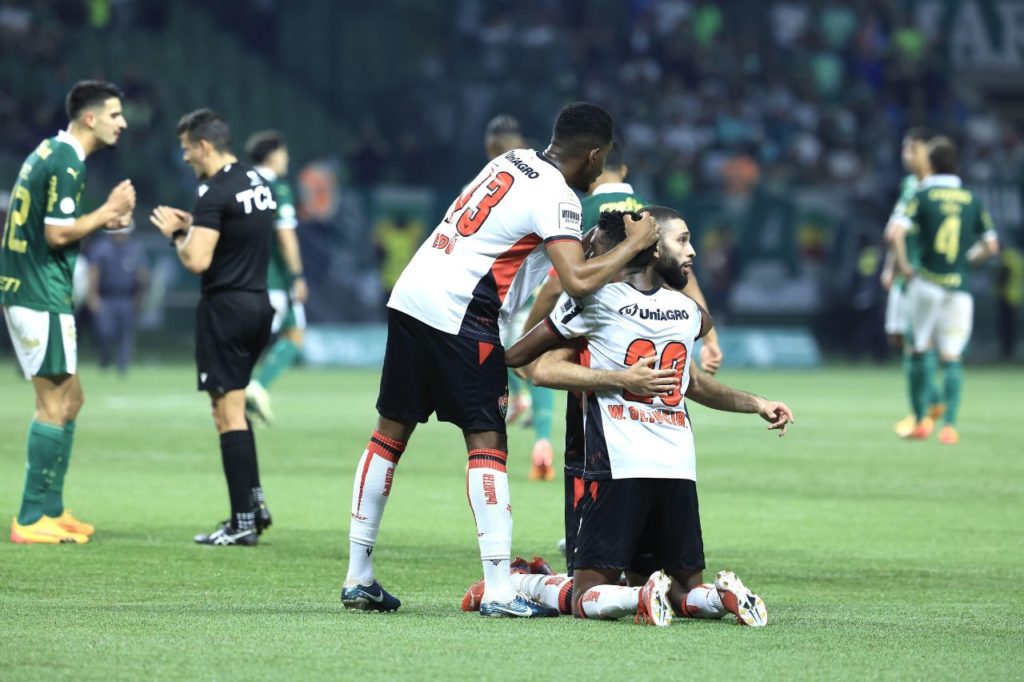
285	283
38	249
897	314
952	232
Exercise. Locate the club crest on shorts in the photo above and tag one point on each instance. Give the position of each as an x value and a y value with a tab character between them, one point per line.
503	405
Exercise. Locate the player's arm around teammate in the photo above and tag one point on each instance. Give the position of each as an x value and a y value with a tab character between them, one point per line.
580	276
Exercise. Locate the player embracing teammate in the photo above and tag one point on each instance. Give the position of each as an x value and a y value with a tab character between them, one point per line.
636	507
495	244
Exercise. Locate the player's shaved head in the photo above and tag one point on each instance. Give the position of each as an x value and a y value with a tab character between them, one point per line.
582	126
581	138
942	155
89	94
208	125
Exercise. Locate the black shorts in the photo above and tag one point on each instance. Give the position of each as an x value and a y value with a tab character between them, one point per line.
232	329
428	371
622	520
574	487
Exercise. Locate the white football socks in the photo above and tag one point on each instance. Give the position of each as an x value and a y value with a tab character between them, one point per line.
703	601
550	590
490	500
610	601
370	491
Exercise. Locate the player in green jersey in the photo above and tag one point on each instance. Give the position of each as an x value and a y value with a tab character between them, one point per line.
897	315
38	249
952	232
285	282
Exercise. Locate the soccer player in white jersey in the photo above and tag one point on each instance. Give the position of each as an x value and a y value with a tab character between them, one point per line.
519	216
638	507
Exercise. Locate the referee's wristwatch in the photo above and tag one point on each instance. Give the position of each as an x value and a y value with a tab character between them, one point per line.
177	233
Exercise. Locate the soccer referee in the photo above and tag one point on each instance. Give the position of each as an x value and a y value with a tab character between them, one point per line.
226	240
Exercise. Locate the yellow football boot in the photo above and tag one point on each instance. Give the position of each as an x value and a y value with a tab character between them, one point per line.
73	525
904	426
45	531
922	430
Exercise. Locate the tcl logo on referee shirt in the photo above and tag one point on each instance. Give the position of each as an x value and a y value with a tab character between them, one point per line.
259	195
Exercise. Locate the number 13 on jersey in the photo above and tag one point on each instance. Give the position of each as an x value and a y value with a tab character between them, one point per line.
473	217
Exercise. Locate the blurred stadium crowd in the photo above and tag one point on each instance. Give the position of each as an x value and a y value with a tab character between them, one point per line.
774	125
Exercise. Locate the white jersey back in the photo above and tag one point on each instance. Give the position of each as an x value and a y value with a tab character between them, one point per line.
485	258
625	435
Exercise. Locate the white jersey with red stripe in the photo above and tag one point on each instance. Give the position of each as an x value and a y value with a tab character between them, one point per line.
485	258
626	435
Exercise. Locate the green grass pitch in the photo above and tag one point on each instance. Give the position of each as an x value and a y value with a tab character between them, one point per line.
878	559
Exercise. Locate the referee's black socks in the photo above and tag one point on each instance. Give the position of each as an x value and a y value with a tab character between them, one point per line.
238	453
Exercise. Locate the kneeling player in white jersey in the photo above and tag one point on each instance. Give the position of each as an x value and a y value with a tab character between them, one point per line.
639	505
496	242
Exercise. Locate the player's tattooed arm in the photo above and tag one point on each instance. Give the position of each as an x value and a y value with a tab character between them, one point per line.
581	276
557	369
707	391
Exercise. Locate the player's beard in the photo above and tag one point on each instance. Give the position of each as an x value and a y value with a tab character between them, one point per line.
672	272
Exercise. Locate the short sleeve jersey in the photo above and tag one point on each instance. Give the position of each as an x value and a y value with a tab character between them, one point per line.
485	258
278	275
48	191
237	202
625	435
612	196
945	220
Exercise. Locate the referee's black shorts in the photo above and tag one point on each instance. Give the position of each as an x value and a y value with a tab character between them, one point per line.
462	380
232	329
639	524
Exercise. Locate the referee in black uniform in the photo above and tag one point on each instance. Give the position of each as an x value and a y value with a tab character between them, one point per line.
226	240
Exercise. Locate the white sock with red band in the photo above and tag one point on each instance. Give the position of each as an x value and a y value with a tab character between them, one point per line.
370	491
703	601
490	501
610	601
550	590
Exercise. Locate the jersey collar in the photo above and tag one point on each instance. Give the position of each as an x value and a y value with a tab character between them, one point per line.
942	180
613	187
544	157
647	292
69	139
270	175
